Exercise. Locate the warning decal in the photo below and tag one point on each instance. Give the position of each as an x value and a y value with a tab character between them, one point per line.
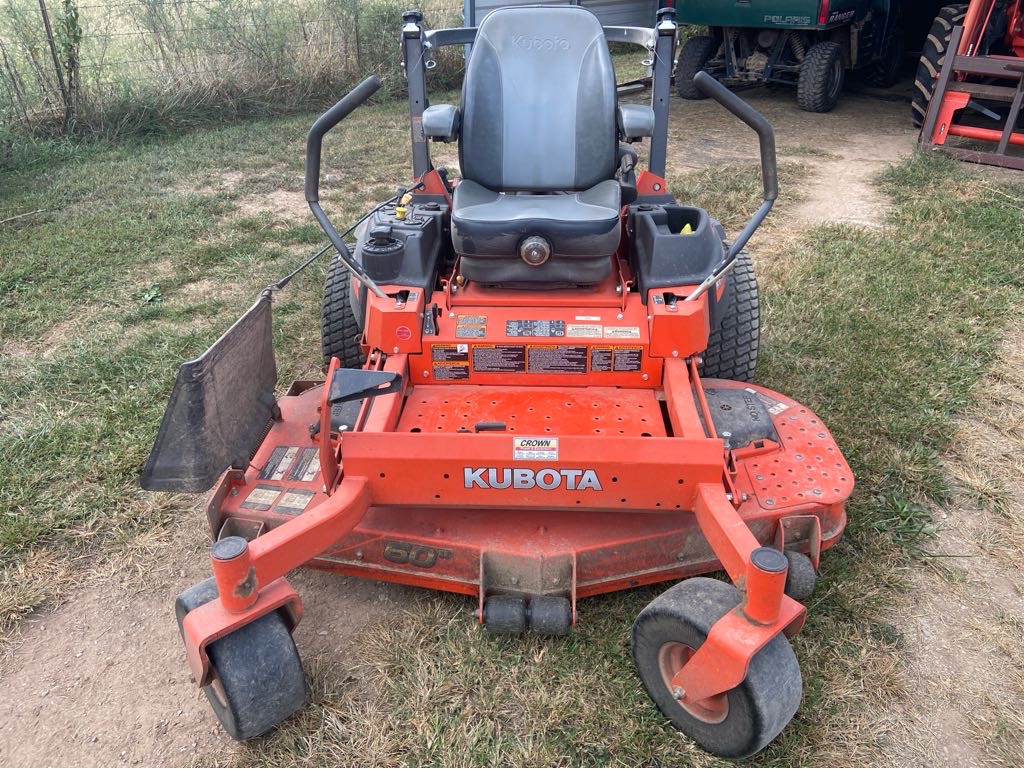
278	464
534	448
616	358
621	332
261	498
557	359
450	352
307	467
585	329
293	501
445	372
499	358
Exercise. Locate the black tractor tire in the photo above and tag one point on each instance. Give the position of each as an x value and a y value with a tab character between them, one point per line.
933	55
696	53
505	614
821	77
733	345
340	330
800	577
257	675
885	72
739	722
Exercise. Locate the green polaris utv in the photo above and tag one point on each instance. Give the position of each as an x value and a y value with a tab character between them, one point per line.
806	43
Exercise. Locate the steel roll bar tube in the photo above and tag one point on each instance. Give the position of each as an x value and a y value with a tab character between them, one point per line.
314	145
769	171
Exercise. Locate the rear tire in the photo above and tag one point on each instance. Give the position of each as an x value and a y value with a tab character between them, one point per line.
734	724
696	53
340	331
733	345
821	78
933	56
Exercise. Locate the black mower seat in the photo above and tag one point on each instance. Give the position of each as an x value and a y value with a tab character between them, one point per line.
538	150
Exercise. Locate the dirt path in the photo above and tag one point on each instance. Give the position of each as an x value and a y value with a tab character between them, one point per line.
101	680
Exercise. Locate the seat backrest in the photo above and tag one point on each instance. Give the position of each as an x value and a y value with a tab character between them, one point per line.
538	101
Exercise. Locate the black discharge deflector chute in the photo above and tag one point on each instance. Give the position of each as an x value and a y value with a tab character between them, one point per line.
219	410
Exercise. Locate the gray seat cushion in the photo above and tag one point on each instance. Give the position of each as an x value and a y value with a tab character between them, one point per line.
582	227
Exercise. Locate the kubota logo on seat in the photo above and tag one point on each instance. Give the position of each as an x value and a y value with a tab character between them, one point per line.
537	43
525	478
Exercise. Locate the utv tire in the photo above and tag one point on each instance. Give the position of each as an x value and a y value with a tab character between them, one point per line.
821	78
885	72
696	53
340	331
732	346
738	722
933	55
257	675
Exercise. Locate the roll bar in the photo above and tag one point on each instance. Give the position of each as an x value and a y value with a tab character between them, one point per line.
769	171
314	145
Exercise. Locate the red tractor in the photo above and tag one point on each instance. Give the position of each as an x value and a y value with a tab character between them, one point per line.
977	92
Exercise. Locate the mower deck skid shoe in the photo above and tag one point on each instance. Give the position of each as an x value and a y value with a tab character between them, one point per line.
530	426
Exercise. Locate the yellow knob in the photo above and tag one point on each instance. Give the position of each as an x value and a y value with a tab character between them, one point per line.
400	212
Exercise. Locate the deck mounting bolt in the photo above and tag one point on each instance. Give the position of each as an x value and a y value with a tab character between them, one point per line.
645	377
675	353
451	315
359	555
619	316
678	693
426	374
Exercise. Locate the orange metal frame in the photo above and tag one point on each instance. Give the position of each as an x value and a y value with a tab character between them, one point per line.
956	70
635	487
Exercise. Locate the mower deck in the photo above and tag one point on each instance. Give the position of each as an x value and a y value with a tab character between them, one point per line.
450	524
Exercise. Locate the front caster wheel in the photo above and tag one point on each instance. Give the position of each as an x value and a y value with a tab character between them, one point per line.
257	676
733	724
801	576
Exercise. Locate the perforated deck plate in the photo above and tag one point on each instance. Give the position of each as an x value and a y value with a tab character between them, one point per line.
534	411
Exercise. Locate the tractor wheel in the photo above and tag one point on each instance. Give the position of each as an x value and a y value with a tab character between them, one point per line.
821	78
933	55
257	676
885	72
340	332
696	53
736	723
732	346
800	577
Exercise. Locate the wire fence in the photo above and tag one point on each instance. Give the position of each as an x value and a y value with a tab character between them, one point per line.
138	66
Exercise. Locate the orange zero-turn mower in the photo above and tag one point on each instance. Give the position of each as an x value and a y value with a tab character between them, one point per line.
537	390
